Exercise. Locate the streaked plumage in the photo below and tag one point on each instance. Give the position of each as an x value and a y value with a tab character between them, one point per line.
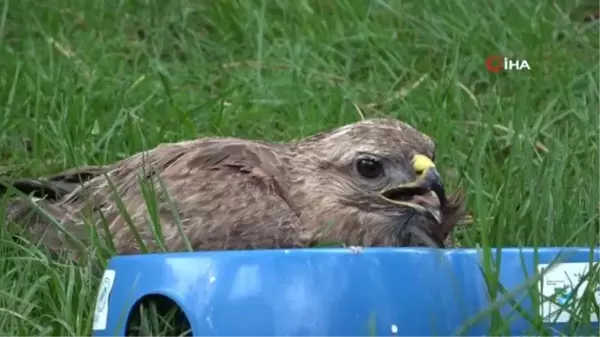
233	193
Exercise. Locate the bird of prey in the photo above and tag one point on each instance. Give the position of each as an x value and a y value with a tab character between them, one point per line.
367	184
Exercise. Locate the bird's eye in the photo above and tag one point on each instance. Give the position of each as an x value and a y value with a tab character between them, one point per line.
369	168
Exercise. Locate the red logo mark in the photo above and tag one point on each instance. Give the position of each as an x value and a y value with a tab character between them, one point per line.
494	63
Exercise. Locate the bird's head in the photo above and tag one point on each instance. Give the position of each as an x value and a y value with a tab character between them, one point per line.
377	184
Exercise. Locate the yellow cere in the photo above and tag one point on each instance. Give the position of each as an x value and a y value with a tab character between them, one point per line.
421	163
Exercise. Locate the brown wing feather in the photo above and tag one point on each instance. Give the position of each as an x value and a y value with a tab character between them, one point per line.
228	194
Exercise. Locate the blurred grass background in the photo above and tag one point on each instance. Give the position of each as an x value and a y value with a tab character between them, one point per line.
93	81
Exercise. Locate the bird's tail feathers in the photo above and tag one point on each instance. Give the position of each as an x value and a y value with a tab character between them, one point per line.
53	187
45	222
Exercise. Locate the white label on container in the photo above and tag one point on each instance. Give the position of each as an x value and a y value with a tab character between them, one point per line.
558	286
101	312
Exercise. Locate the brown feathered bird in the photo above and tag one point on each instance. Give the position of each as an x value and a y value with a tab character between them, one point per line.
371	183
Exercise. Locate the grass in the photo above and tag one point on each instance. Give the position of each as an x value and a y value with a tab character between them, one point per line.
93	81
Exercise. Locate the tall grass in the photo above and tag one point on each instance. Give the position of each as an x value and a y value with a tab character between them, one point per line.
93	81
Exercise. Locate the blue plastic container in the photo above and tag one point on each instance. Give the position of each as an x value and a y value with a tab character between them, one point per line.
334	292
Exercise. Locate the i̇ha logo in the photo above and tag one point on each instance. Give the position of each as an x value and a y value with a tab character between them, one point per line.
496	63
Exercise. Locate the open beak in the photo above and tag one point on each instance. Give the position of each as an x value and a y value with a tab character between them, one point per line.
429	181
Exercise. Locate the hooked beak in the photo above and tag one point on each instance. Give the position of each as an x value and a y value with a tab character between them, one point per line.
428	181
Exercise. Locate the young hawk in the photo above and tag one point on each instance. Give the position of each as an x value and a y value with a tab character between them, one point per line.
371	183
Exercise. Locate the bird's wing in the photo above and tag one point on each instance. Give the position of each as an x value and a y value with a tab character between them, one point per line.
223	193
